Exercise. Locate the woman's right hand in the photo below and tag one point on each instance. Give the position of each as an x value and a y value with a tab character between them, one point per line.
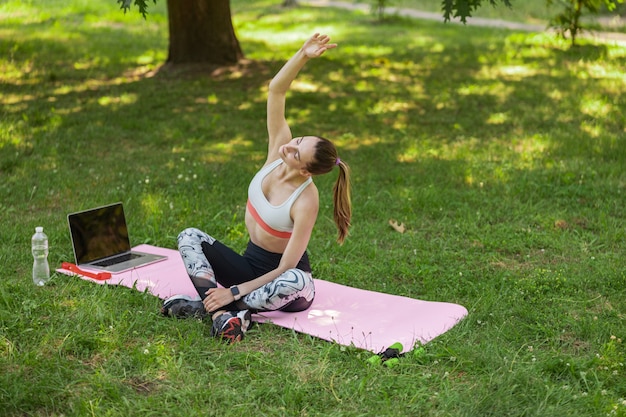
316	45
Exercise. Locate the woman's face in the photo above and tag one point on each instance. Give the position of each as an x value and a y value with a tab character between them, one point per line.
299	152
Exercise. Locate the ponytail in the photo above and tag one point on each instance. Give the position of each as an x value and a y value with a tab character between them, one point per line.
324	161
342	211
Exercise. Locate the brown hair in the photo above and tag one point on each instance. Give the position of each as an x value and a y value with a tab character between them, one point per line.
324	160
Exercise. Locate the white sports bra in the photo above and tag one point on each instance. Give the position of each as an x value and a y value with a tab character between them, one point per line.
276	220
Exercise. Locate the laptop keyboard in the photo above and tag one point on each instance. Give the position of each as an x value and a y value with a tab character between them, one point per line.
117	259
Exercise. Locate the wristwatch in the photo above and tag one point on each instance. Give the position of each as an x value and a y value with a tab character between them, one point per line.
234	290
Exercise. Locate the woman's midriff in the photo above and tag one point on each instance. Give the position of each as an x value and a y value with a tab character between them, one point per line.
261	238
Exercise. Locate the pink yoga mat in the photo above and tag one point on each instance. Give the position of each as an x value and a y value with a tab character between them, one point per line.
345	315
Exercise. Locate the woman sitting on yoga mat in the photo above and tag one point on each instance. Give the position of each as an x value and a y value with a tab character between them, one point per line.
274	271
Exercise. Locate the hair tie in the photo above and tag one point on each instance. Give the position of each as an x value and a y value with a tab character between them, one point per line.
337	161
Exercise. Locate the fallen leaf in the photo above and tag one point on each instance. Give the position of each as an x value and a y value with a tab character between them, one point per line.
561	224
397	227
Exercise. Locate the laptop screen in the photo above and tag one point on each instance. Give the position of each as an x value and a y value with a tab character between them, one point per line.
99	233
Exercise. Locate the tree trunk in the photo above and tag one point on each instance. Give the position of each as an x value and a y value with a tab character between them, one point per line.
201	32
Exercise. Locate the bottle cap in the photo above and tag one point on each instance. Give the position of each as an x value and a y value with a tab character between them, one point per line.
38	229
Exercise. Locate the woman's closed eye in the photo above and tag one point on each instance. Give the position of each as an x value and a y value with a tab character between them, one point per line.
297	154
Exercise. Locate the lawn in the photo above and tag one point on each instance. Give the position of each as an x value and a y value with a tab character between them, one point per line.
527	11
503	153
536	12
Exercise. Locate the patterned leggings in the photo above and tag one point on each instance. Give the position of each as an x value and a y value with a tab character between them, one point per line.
209	262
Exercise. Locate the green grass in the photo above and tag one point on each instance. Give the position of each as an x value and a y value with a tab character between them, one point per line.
536	12
527	11
503	153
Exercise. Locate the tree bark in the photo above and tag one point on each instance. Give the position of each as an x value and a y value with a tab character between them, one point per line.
201	32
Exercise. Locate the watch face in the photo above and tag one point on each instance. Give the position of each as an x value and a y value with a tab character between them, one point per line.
234	291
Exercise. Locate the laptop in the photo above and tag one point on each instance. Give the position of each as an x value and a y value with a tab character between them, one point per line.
100	240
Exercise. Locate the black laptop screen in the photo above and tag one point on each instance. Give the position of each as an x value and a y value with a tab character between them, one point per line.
99	233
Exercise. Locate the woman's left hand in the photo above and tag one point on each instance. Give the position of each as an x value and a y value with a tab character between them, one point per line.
216	298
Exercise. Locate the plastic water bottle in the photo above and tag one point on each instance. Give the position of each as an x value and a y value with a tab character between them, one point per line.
41	269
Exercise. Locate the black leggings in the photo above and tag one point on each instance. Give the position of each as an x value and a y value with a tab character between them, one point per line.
209	262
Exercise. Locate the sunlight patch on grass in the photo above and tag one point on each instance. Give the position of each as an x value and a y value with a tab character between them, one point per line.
372	50
224	151
25	15
389	106
151	204
99	24
458	149
595	107
10	136
16	98
17	73
291	35
437	47
592	129
96	84
493	86
362	85
520	153
556	95
516	72
412	154
58	36
531	147
497	118
88	64
300	114
146	59
303	86
603	71
115	101
211	99
245	106
277	19
495	90
349	141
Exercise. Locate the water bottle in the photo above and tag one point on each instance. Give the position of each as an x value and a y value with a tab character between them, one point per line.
41	269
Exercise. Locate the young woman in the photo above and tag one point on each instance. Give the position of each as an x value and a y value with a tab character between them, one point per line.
274	272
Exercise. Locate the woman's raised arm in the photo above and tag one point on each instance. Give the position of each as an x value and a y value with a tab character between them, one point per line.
278	130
